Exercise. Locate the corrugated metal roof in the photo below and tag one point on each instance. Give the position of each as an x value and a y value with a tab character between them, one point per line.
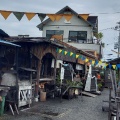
3	42
43	39
115	61
33	40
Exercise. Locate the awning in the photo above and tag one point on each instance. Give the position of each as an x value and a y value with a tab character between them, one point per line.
3	42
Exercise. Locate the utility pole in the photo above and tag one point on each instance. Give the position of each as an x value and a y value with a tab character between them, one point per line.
119	41
118	29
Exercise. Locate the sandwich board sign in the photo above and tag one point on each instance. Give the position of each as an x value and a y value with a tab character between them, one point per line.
88	81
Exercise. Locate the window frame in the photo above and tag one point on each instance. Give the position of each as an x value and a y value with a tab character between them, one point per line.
77	37
54	31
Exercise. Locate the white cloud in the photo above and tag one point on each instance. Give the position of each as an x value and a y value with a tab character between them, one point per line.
14	27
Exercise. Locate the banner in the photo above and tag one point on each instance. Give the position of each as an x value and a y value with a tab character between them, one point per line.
52	16
84	16
77	56
71	53
41	16
58	17
30	15
5	14
66	52
60	50
68	16
83	59
18	15
86	60
114	66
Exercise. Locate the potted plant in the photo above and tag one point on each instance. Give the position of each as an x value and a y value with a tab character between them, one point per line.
100	86
74	90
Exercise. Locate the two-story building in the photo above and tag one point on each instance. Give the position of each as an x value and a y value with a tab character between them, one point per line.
75	29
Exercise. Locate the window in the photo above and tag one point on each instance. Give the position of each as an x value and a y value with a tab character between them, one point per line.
77	36
50	33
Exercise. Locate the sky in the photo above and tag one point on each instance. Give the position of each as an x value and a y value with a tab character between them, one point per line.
108	12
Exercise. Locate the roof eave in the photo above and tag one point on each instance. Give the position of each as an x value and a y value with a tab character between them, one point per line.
40	26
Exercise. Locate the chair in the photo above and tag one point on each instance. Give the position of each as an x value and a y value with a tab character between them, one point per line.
11	100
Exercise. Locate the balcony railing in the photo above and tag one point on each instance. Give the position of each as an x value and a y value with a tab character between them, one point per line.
87	41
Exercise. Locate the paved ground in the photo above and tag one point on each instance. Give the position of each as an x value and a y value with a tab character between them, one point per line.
73	109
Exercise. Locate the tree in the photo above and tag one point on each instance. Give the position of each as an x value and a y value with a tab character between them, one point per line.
99	36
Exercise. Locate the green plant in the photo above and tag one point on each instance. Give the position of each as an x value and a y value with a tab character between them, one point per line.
58	80
74	83
99	85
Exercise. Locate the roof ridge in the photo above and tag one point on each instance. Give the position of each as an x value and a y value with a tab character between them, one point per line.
61	11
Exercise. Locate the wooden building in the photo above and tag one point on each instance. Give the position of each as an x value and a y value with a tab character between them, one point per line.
37	59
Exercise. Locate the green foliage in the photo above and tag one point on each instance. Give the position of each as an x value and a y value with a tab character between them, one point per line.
99	35
74	83
58	80
99	85
103	45
102	74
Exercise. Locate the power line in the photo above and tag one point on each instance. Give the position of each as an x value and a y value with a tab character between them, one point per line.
106	13
107	28
117	12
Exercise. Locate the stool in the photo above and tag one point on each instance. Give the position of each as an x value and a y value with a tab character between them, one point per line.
11	108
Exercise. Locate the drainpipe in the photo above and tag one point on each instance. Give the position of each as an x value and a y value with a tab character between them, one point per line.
100	52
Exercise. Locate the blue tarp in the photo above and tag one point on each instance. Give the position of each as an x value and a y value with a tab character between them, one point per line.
8	43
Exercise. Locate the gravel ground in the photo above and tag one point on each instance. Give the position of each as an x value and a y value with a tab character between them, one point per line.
73	109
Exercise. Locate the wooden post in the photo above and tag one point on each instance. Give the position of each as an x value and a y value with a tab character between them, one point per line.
16	61
17	86
31	81
119	77
55	70
31	68
38	77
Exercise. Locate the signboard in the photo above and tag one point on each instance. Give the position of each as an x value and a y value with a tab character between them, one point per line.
57	63
62	73
88	81
79	67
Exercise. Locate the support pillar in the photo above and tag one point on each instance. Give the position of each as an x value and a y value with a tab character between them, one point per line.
38	78
55	70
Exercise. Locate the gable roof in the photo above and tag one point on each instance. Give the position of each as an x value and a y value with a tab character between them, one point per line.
91	19
3	34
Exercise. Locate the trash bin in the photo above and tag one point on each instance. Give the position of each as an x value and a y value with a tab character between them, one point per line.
3	93
42	96
2	104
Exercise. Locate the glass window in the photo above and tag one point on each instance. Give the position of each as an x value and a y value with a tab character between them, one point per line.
82	35
77	36
50	33
73	35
